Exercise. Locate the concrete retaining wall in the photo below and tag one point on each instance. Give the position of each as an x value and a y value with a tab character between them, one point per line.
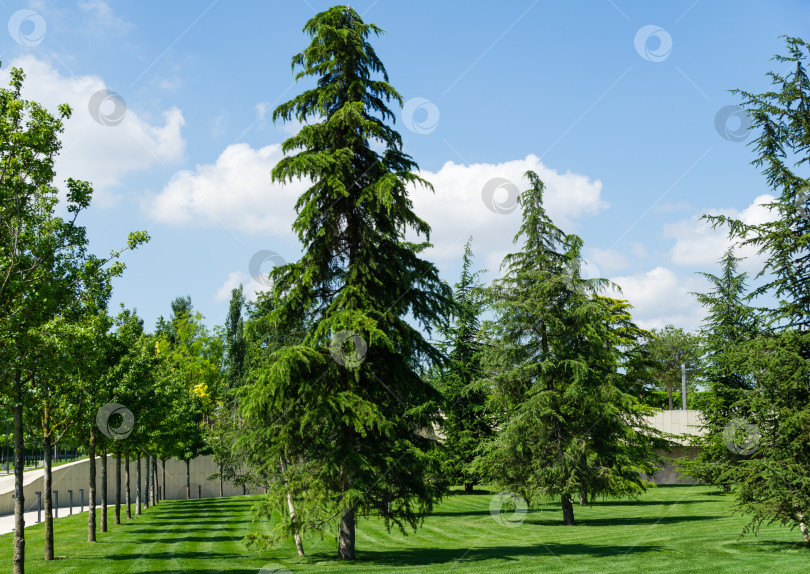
76	475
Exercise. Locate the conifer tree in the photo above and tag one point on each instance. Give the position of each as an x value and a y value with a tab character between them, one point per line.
466	422
349	401
569	427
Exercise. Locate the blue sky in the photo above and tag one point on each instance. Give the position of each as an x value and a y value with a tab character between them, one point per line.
614	103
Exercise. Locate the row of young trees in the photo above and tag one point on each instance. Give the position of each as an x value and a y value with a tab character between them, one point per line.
63	358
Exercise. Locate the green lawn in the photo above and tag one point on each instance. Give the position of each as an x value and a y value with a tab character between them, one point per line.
670	529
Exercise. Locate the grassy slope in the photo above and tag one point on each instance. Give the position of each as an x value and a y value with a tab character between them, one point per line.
670	529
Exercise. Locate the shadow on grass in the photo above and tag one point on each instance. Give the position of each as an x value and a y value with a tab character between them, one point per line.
428	556
647	502
624	521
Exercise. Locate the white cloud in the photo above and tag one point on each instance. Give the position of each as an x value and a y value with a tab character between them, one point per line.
457	208
608	260
660	297
101	154
698	245
103	19
236	192
250	287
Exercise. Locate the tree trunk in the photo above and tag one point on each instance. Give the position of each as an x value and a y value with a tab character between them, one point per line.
468	487
346	535
148	465
568	510
163	478
47	485
91	502
126	481
104	489
221	487
19	467
803	528
583	498
118	487
154	481
299	544
669	390
138	484
188	479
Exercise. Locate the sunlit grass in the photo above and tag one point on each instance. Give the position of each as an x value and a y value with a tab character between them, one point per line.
669	529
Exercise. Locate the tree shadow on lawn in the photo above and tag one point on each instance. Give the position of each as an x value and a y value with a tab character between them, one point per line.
647	502
624	520
428	556
168	539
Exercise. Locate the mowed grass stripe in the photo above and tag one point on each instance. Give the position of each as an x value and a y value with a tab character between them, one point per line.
674	529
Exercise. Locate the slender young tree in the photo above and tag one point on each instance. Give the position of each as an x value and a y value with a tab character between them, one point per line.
352	414
729	323
467	423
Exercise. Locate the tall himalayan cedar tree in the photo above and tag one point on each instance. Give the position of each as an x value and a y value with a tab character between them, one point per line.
348	403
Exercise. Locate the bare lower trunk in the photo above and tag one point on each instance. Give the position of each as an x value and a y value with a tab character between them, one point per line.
91	503
299	544
138	484
188	479
47	485
104	489
118	487
127	496
19	467
163	478
669	390
803	528
148	466
568	510
468	487
154	481
346	535
222	491
583	498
